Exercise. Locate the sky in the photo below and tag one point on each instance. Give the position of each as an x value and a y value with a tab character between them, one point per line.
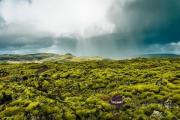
110	28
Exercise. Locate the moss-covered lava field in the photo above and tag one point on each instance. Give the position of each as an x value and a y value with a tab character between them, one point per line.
65	90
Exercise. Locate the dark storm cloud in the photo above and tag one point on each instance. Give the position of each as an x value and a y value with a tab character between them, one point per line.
154	21
16	42
14	37
28	43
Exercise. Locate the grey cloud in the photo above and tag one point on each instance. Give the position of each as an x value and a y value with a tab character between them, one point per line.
148	21
139	15
173	47
16	42
27	42
2	22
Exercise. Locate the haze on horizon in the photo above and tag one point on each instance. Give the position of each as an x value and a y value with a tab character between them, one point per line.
110	28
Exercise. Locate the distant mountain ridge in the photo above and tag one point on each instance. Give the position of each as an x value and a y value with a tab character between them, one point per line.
44	57
160	55
26	57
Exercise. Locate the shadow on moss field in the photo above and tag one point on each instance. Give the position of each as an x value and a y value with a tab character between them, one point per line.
82	90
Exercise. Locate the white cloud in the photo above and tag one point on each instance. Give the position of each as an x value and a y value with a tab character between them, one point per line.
173	47
84	18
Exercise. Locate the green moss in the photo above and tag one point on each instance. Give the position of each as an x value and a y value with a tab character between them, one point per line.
170	116
19	117
92	100
105	105
173	86
69	116
32	106
45	83
9	111
176	98
107	116
82	90
85	112
59	83
140	88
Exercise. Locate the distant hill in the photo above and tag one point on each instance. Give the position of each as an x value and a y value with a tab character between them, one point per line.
160	55
26	57
44	57
70	57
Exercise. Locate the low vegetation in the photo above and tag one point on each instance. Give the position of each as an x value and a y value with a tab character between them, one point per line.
66	90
